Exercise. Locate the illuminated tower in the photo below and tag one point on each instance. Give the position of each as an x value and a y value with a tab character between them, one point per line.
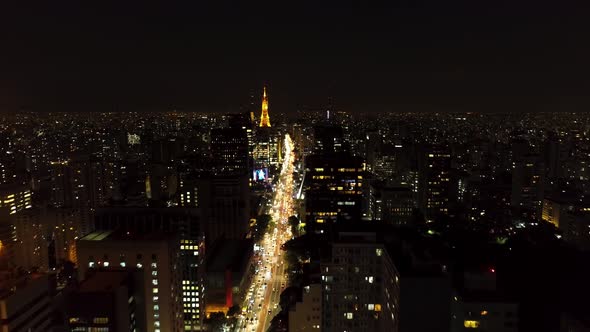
264	119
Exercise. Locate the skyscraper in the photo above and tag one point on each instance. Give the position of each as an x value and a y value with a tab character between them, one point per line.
14	199
157	256
108	300
333	190
264	119
360	285
434	180
182	222
333	181
229	147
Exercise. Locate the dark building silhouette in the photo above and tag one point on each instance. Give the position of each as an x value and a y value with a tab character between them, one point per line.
333	190
434	180
230	150
106	301
329	139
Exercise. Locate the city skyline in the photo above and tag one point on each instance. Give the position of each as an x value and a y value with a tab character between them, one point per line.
225	166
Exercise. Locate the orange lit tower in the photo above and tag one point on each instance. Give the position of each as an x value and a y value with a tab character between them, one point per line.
264	119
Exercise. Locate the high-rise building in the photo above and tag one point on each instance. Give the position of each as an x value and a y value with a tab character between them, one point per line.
555	208
108	300
14	166
575	226
275	150
333	181
230	207
230	150
434	186
267	149
261	152
14	199
333	190
47	236
25	302
82	182
245	122
392	205
167	150
297	136
528	183
157	256
307	314
264	118
373	143
185	223
329	139
222	202
360	285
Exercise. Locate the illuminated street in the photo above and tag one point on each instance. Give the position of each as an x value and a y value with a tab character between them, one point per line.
262	302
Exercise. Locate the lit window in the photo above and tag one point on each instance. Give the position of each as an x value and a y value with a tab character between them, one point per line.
471	324
100	320
106	264
349	315
155	290
370	280
123	264
484	312
371	306
379	252
139	265
377	307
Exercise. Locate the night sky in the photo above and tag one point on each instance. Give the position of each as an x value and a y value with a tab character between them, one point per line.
405	56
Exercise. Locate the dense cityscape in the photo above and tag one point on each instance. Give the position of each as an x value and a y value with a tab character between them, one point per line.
337	166
323	220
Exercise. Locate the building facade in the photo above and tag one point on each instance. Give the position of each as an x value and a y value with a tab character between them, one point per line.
360	286
187	226
333	190
107	301
25	304
307	315
157	256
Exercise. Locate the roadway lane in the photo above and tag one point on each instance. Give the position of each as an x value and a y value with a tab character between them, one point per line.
268	282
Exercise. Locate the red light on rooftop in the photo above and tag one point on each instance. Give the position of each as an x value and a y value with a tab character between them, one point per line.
492	270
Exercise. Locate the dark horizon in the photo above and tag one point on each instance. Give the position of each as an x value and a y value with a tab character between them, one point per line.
430	56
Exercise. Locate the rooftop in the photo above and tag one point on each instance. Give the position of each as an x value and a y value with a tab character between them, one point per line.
117	235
